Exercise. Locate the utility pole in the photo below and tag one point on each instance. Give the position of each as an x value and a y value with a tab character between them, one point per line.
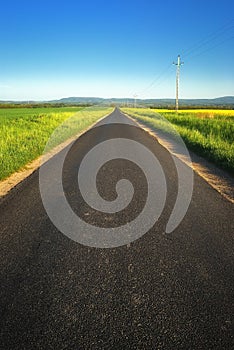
178	64
135	101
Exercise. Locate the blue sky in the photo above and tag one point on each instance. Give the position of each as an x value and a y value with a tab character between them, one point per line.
54	49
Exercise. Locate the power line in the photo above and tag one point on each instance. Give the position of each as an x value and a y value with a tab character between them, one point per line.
210	38
211	48
157	78
201	44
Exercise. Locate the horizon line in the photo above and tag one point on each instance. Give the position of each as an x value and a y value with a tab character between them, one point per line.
113	98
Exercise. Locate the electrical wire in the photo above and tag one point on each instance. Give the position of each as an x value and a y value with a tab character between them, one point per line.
211	48
210	38
194	51
161	81
156	78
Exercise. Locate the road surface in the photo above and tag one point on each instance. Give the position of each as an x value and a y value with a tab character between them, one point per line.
162	291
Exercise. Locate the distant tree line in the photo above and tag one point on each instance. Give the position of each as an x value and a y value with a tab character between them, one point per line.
171	107
44	105
151	106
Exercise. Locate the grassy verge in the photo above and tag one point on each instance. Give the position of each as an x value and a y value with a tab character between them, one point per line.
209	133
24	132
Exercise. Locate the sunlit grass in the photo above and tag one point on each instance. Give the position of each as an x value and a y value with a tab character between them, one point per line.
24	132
209	133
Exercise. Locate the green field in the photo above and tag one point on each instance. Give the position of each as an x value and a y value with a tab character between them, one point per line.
209	133
24	132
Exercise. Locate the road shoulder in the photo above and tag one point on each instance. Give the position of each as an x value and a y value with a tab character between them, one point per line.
219	179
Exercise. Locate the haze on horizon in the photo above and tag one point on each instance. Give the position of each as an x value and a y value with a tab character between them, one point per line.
52	50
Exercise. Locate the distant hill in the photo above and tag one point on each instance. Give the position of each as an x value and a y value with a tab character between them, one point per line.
69	100
220	101
225	102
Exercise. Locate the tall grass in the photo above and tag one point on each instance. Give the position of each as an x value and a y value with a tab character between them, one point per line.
209	133
24	132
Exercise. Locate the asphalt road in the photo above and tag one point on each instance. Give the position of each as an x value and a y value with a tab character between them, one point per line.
162	291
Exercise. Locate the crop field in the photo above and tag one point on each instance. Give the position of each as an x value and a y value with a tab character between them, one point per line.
24	132
209	133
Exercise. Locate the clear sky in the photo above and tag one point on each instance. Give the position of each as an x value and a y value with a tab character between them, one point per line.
53	49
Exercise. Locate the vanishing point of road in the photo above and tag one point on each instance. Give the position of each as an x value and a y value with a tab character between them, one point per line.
162	291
